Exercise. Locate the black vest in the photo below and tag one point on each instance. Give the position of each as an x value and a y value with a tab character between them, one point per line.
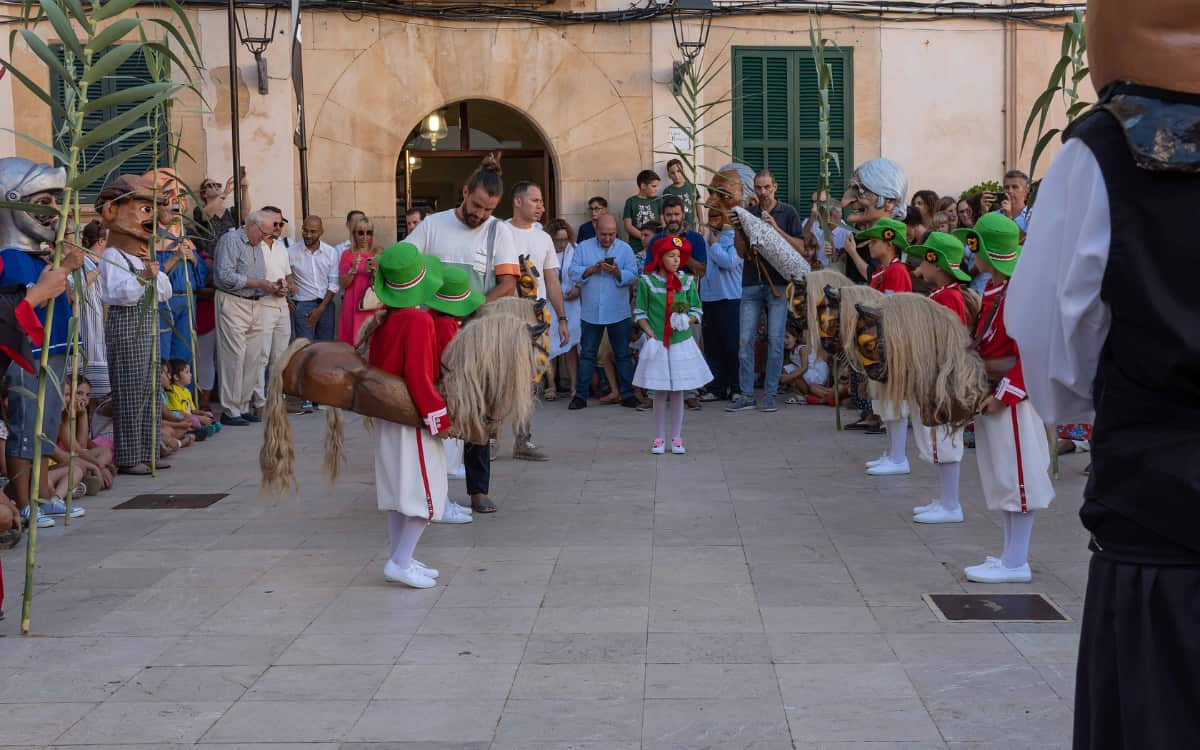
1143	495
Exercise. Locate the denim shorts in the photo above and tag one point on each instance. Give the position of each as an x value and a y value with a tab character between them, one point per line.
22	410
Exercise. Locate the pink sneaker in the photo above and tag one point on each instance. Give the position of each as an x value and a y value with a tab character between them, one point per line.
677	447
658	447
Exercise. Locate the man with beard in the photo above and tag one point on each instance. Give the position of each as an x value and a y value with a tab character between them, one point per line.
25	267
469	237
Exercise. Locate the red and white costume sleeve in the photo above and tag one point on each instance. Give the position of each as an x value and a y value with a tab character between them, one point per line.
892	278
407	345
446	327
995	343
950	297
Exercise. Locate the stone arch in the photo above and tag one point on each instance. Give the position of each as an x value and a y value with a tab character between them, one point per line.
359	131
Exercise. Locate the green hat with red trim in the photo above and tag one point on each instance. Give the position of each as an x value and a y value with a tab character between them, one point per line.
888	229
944	251
405	277
455	297
997	237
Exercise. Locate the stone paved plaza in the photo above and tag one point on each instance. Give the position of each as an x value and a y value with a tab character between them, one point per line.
759	593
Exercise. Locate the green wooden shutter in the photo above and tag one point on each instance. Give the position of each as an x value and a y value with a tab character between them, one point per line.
130	73
792	155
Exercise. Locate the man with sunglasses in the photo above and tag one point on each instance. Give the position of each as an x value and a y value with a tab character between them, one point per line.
597	207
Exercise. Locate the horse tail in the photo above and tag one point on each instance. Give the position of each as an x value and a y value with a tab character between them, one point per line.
277	457
335	444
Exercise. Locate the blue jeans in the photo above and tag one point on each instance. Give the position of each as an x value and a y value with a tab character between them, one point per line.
323	331
753	299
589	343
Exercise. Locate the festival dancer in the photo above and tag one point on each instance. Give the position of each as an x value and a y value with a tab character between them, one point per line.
1010	437
453	302
410	462
887	243
670	364
942	446
1105	308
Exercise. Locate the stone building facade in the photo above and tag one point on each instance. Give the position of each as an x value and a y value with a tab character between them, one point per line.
945	98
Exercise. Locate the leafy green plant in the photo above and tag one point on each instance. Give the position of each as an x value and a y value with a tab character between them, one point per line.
987	186
697	115
1065	77
92	47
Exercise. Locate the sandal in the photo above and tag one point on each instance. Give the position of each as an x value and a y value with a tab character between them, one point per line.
793	401
483	504
861	424
551	396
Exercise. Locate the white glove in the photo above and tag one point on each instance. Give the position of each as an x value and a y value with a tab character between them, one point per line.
680	321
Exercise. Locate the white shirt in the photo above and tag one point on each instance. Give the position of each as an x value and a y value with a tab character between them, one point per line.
538	245
121	287
1054	310
275	260
315	273
446	238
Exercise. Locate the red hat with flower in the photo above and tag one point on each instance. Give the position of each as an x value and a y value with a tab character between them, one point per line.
666	244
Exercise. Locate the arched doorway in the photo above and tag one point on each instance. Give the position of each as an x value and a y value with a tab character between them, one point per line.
447	144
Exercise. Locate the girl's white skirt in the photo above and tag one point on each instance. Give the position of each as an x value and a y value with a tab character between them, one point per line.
680	367
410	471
938	445
1002	469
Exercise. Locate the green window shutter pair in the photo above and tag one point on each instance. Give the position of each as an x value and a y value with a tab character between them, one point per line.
128	74
776	122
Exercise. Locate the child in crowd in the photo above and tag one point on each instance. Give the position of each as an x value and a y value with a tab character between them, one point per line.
804	372
179	400
670	363
175	428
941	256
453	302
94	462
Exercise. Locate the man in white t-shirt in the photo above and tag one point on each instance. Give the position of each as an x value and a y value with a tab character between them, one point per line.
532	241
471	238
276	316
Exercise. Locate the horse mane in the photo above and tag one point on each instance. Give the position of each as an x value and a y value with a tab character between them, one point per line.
859	294
816	282
488	371
517	307
973	303
930	362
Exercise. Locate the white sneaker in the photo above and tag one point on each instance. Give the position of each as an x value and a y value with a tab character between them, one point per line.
877	461
940	515
410	576
677	447
658	447
992	570
889	468
919	509
431	572
453	514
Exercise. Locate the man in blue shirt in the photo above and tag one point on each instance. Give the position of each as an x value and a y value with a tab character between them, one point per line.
603	269
177	257
721	295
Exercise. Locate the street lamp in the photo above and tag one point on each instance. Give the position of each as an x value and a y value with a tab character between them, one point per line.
258	44
690	38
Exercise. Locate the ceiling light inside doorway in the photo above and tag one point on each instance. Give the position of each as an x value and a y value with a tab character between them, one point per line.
434	129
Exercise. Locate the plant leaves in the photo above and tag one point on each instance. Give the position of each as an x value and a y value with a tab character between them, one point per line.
76	9
87	178
30	208
113	33
1040	106
62	158
1038	148
37	90
62	27
164	50
112	8
42	50
108	63
110	128
170	28
181	15
129	95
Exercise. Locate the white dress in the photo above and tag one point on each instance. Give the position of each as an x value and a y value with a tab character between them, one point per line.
681	366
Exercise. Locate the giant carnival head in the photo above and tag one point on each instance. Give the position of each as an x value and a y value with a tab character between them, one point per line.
127	210
877	190
25	181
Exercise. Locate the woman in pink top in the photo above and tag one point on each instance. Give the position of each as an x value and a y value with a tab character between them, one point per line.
356	270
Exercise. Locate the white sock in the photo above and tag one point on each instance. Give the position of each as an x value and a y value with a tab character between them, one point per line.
408	538
897	436
948	474
1019	527
396	523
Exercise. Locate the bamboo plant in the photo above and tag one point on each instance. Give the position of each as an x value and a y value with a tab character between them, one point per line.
91	38
818	43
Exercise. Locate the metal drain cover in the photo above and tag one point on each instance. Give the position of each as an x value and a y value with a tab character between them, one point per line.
995	608
170	502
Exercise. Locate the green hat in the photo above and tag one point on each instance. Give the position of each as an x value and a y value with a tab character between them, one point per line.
887	229
405	277
944	251
455	297
998	237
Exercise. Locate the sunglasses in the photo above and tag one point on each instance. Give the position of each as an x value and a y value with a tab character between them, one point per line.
279	224
208	185
365	233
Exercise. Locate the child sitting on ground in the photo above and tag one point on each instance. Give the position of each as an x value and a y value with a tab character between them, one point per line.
175	427
93	462
804	372
179	400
